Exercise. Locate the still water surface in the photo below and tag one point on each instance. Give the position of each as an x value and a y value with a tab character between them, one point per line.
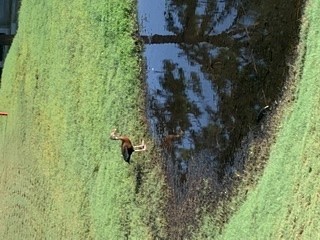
211	66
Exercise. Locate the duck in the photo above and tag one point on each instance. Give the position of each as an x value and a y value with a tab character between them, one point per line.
127	148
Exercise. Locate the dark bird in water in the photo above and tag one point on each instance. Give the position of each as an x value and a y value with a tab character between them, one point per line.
127	147
262	113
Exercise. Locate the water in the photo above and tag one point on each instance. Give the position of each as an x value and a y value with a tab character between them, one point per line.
210	67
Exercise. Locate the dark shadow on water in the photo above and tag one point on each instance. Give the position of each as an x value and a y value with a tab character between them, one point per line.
211	67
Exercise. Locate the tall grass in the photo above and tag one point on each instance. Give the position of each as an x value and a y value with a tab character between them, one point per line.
72	74
286	202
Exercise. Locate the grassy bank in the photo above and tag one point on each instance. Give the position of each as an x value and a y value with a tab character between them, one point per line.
285	204
72	74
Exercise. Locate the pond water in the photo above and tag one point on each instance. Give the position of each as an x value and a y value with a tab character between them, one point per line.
211	66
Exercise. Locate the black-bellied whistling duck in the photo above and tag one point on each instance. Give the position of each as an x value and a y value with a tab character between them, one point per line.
126	146
262	113
168	140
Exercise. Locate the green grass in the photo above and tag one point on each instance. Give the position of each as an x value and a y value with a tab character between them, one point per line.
73	74
286	201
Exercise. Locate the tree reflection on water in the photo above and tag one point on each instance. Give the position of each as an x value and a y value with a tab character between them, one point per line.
210	69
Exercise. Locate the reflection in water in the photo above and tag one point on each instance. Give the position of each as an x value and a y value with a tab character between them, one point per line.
211	66
184	95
